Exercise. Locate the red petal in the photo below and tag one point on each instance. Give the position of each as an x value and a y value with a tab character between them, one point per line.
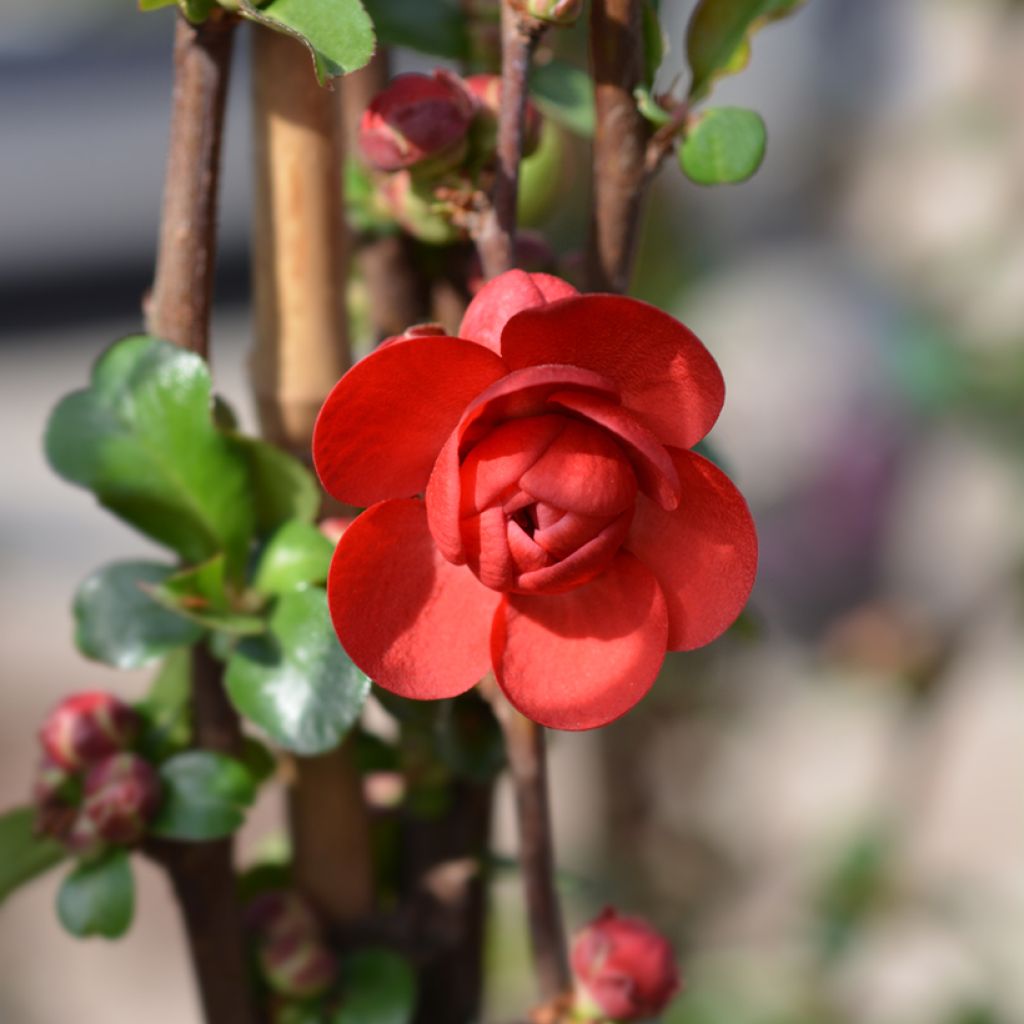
663	373
383	424
503	297
416	624
704	554
583	658
654	470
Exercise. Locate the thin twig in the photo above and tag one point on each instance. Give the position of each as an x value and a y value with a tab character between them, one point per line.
495	234
178	309
527	758
620	142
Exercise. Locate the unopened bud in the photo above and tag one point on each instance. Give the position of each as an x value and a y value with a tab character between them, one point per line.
87	727
554	12
417	121
415	207
55	796
625	970
122	794
486	90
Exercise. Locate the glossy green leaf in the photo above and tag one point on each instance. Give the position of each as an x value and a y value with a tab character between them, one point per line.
297	683
205	796
655	41
338	33
379	988
142	439
437	27
723	146
281	488
23	854
564	93
98	897
298	553
717	38
118	622
165	710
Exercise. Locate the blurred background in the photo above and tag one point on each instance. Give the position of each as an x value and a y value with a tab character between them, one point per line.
826	809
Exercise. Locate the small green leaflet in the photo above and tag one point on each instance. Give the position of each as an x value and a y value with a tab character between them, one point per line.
297	553
725	145
205	796
98	897
23	854
379	987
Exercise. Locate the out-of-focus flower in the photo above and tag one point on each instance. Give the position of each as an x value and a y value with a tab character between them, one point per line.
625	970
486	89
122	794
87	727
567	537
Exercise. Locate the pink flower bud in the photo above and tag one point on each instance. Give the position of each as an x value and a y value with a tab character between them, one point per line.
416	120
625	970
87	727
122	794
281	913
486	90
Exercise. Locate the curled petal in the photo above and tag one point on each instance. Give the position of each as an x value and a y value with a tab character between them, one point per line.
485	537
503	297
663	373
583	658
381	428
412	621
704	554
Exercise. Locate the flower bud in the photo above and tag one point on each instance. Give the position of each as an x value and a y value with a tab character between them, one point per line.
554	12
417	121
87	727
122	794
55	798
414	206
625	970
486	90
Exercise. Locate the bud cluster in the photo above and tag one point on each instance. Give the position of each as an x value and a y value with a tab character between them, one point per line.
90	789
293	955
431	143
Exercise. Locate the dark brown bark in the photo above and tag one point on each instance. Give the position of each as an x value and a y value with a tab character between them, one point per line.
620	142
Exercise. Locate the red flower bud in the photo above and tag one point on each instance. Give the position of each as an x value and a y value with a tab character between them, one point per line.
624	969
87	727
486	89
415	120
122	794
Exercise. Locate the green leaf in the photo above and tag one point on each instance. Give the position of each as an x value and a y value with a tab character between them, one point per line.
154	5
723	146
298	553
200	595
117	622
650	107
23	854
98	897
379	988
655	42
281	488
337	33
205	796
429	26
564	93
142	439
166	710
297	683
717	38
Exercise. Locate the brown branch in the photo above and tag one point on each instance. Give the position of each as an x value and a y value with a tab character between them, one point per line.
178	308
527	758
495	233
620	142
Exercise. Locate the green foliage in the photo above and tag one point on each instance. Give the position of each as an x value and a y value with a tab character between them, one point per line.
165	709
655	43
142	439
564	93
717	38
338	33
205	796
437	27
98	897
23	854
725	145
298	553
379	988
117	622
200	594
297	683
650	108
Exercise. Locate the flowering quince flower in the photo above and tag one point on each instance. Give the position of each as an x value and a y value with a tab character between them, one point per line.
624	969
534	508
86	727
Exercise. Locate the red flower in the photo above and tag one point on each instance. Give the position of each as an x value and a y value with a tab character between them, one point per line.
415	119
624	968
86	727
566	536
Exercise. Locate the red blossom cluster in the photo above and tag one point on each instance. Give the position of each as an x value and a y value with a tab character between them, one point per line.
535	509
